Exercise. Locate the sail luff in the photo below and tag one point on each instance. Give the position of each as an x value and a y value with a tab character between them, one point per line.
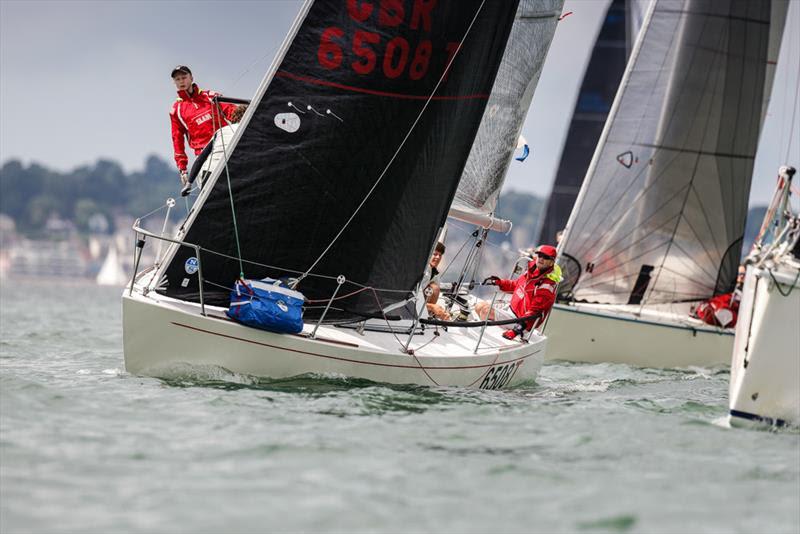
598	88
579	200
216	173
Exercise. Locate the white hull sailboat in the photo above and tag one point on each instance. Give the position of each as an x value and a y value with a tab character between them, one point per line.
658	224
624	334
765	371
338	182
170	334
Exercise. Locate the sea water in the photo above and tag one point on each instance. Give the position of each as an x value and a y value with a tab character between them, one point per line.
86	447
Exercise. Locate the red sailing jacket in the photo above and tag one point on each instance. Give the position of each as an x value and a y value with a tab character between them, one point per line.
722	310
533	292
195	118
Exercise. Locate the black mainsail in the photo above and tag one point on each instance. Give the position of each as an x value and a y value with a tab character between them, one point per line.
351	152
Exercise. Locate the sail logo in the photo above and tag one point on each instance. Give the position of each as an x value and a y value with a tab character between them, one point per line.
627	159
191	266
289	122
367	52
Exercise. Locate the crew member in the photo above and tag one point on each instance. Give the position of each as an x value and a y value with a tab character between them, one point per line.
216	151
432	291
722	310
533	293
194	116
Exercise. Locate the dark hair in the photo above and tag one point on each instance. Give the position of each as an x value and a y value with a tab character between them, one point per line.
439	248
238	113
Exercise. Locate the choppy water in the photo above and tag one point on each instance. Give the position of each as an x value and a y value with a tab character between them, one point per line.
85	447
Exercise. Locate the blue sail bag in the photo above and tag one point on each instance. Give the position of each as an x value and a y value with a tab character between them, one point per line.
267	304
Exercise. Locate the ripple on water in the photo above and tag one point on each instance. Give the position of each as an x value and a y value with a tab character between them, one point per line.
619	523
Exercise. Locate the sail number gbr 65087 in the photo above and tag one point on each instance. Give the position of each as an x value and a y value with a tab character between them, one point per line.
500	375
364	51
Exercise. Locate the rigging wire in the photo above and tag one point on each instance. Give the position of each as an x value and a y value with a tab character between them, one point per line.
230	191
399	148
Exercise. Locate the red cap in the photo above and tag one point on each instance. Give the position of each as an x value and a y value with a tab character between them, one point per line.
547	251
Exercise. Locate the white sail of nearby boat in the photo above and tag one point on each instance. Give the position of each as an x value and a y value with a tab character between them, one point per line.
338	181
111	273
659	221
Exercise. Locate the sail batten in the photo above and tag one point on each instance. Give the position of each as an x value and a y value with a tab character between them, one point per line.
666	194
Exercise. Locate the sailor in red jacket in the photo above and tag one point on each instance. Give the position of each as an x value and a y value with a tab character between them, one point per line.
194	116
722	310
534	292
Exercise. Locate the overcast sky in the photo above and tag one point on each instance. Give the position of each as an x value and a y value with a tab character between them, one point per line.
86	80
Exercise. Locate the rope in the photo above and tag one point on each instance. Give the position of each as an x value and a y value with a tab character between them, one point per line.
778	285
399	148
143	217
475	324
230	195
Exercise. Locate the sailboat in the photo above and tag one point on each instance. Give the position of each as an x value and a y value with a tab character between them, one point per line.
338	181
765	371
111	272
658	224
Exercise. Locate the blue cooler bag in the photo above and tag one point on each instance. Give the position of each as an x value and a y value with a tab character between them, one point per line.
268	305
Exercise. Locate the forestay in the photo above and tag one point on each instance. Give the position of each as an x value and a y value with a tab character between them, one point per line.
350	154
530	39
661	214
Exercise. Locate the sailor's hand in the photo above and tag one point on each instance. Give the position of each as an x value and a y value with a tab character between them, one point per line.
491	281
438	312
184	177
516	331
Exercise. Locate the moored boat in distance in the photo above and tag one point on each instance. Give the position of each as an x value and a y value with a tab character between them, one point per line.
338	182
765	371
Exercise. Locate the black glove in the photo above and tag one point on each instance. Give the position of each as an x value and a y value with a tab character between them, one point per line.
491	281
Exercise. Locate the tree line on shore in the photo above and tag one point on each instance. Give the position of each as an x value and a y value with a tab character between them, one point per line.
32	194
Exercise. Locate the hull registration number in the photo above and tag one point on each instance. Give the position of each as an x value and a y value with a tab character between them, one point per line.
500	375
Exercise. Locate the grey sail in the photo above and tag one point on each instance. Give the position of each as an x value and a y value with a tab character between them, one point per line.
491	153
661	213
